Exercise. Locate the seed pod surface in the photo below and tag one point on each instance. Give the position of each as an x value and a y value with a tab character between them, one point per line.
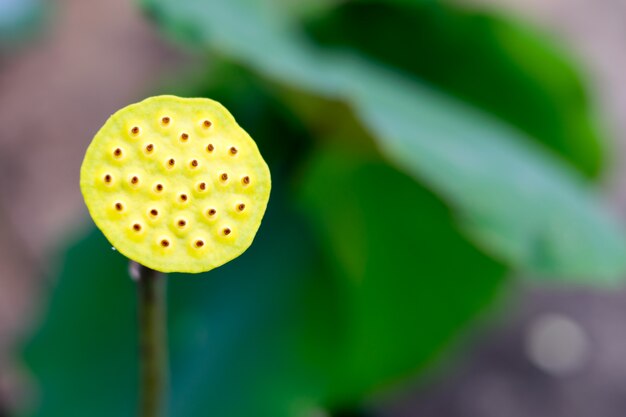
176	184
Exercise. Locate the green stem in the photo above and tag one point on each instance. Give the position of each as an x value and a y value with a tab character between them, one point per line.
153	386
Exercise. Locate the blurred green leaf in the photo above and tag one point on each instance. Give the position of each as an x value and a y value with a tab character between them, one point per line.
514	199
413	280
84	355
498	65
19	18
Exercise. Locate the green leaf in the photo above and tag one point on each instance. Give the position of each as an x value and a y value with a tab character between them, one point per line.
514	199
413	282
500	66
19	18
84	354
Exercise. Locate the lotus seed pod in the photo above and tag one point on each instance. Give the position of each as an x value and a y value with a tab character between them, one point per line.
176	184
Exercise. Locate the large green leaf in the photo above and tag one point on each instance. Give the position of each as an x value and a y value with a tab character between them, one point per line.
500	66
412	280
514	199
84	354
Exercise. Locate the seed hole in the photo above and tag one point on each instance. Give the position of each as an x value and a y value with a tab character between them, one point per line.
233	150
181	223
224	176
212	212
207	124
165	120
183	197
154	212
202	186
171	162
137	227
246	180
108	178
134	180
184	137
199	243
193	163
226	231
210	147
241	207
149	148
158	187
165	243
119	206
117	153
135	130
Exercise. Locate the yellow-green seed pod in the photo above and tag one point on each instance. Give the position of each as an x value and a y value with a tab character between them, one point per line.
176	184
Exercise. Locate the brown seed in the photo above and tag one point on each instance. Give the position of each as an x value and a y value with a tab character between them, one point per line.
199	243
134	130
107	178
210	147
241	207
202	186
154	212
182	223
207	124
212	212
194	163
119	206
233	150
184	137
134	180
149	148
159	187
171	162
246	180
226	231
165	120
183	197
224	176
165	243
137	227
117	152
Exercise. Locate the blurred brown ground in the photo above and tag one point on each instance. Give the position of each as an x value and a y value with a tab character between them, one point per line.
98	56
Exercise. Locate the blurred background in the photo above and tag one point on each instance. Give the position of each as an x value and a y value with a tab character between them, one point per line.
445	232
